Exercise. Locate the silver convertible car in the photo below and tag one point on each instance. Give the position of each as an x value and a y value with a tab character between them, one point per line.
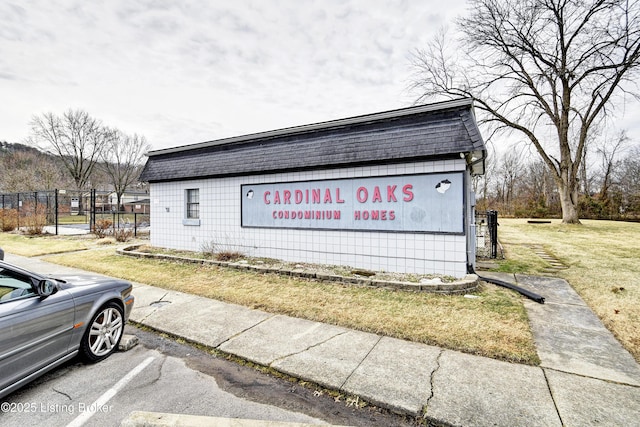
46	321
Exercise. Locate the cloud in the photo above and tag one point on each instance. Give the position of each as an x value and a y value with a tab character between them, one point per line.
8	76
203	70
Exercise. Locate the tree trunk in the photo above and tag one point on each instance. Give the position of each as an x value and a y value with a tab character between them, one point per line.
569	204
80	204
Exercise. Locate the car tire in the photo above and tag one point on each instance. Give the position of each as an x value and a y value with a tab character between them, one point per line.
103	333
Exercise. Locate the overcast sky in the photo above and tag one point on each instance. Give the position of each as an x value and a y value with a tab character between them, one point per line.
181	72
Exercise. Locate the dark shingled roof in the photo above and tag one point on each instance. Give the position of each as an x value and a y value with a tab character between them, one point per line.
441	130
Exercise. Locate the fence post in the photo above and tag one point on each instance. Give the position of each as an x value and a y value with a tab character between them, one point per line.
92	210
492	224
56	209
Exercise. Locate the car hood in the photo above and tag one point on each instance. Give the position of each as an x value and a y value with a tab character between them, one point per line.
70	281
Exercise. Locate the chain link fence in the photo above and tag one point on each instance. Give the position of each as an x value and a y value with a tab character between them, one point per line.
74	212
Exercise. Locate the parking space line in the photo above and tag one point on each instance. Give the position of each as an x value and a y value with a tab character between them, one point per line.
102	400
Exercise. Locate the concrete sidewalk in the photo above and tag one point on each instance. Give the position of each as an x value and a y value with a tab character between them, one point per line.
569	337
586	377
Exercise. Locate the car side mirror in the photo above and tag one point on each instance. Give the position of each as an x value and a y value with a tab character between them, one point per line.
46	288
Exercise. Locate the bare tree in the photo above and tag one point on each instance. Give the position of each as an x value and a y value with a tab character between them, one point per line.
509	173
549	70
19	172
627	180
608	154
76	138
123	160
537	190
28	171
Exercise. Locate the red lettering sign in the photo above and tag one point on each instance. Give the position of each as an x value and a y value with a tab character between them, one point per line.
408	194
362	194
377	197
390	196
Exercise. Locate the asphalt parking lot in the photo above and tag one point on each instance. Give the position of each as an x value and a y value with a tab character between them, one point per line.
162	375
105	393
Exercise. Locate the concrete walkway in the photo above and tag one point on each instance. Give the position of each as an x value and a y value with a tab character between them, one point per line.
569	337
586	378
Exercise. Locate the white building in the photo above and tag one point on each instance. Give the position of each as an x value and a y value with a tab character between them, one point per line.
387	191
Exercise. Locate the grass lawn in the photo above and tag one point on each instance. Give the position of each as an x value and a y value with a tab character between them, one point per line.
73	219
42	245
604	266
493	325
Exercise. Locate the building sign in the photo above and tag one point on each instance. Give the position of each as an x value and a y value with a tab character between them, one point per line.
412	203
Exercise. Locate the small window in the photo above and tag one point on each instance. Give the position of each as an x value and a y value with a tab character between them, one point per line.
193	203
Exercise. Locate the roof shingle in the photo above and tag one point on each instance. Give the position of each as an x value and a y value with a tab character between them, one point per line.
410	134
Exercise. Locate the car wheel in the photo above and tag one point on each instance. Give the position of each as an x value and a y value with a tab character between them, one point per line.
103	334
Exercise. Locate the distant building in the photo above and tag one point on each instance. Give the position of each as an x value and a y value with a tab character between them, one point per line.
141	206
387	191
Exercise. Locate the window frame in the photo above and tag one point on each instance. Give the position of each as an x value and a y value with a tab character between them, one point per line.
191	206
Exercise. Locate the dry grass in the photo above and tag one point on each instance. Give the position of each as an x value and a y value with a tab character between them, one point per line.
23	245
493	325
604	266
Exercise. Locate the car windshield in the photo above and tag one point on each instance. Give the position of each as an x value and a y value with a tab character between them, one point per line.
14	285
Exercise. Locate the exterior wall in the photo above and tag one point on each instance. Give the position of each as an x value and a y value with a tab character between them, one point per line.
220	224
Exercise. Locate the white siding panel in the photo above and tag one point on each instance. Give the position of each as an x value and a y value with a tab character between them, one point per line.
220	212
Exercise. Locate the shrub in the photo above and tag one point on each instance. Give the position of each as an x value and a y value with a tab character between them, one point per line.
9	219
225	247
228	256
123	234
102	228
35	221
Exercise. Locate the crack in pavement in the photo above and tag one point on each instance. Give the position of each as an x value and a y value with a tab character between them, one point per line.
425	408
158	373
306	349
62	393
553	398
237	334
360	363
155	309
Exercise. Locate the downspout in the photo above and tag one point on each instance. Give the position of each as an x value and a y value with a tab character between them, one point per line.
531	295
